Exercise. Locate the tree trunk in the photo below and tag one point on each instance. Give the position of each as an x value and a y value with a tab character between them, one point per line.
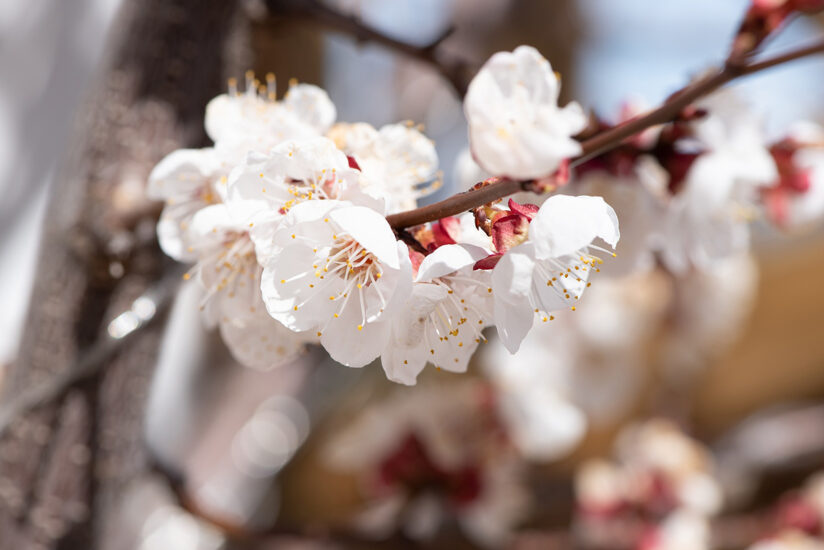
64	468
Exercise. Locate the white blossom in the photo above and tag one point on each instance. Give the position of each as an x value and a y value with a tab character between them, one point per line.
712	306
639	210
187	180
256	119
190	179
399	164
789	540
582	368
516	128
549	271
229	273
442	321
681	530
658	448
337	270
707	218
265	187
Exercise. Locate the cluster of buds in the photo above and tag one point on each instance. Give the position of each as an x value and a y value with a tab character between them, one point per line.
763	18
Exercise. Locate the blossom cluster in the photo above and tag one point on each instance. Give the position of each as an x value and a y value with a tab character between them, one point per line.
658	494
285	221
416	470
285	217
688	191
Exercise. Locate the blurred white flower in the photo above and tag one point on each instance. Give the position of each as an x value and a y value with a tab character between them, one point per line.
443	318
336	269
708	217
584	366
680	531
710	308
658	493
549	270
467	173
659	457
431	452
516	128
790	540
638	209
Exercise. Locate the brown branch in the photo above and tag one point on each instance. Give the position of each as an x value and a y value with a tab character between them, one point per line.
457	71
602	141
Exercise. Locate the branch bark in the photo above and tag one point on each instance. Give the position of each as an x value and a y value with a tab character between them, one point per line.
602	141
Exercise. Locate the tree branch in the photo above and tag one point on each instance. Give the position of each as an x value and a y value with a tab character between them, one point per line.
145	312
457	71
602	141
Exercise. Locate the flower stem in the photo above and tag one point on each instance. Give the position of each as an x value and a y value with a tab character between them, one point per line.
602	141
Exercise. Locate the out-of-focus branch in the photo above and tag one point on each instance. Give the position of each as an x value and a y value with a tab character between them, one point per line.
602	141
147	310
456	70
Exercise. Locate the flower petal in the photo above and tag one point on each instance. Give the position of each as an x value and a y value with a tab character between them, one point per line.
448	259
511	285
566	224
371	230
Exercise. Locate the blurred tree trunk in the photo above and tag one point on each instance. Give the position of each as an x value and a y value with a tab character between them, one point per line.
64	468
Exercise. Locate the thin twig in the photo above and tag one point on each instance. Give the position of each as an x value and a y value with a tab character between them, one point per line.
93	360
602	141
456	70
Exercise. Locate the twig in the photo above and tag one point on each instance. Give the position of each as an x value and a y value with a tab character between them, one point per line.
457	71
602	141
147	310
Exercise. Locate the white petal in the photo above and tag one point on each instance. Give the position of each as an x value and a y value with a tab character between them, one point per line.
182	173
401	367
285	285
511	285
311	105
371	230
409	155
352	347
210	224
448	259
566	224
260	342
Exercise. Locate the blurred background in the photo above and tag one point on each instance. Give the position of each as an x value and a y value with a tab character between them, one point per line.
740	367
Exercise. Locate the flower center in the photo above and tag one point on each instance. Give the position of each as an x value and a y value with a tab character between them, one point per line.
357	267
231	268
454	317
